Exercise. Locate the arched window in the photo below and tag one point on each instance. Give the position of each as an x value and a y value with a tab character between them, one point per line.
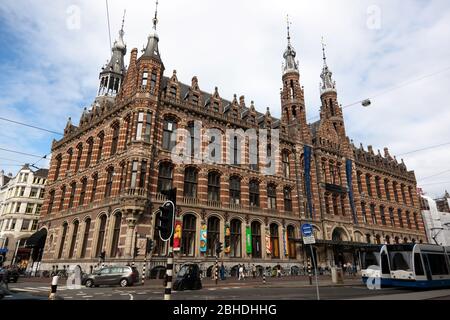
58	166
274	241
235	190
74	238
69	160
94	187
73	188
254	193
109	182
87	227
90	143
391	217
292	249
51	201
373	214
256	239
382	215
286	170
169	134
214	186
63	240
236	151
386	189
190	182
416	221
188	235
213	234
235	238
394	186
408	220
272	196
79	155
101	235
364	212
287	199
368	185
115	138
101	140
165	177
400	217
116	234
193	143
358	178
63	196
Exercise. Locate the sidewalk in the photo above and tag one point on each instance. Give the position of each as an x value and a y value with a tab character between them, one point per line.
271	282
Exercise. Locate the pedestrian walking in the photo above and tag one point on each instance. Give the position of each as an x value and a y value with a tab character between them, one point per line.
279	271
241	273
254	271
222	272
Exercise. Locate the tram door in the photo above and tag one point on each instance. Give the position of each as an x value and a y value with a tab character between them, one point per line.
427	267
385	269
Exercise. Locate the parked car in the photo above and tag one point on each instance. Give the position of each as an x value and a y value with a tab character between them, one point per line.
112	275
188	278
12	275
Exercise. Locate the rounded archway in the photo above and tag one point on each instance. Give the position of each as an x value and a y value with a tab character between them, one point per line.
339	235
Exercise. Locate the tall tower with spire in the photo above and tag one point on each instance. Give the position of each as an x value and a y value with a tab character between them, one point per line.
112	74
330	109
292	95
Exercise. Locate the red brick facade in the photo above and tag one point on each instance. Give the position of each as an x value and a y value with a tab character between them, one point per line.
127	163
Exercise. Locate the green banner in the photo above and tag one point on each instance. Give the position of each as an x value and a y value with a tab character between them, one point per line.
248	235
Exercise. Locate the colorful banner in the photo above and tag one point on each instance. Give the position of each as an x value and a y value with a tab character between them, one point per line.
348	169
307	155
268	243
177	236
227	246
248	237
203	238
284	242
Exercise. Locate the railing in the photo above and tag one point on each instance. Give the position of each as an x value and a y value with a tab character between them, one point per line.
235	206
139	192
214	204
190	200
160	197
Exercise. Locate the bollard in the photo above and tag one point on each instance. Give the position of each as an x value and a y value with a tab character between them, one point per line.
143	271
54	287
309	271
168	290
264	277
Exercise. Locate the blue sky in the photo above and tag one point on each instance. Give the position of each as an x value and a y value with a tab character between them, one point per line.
51	53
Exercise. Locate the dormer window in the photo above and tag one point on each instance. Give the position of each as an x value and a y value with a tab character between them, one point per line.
173	92
216	106
195	99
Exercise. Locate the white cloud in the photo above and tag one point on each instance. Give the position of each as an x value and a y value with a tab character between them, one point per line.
238	46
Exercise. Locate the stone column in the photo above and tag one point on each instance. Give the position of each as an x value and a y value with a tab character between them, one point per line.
129	243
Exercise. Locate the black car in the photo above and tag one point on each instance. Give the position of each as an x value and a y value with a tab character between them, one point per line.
188	278
12	275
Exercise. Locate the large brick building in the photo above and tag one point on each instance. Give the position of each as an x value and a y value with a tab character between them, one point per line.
107	174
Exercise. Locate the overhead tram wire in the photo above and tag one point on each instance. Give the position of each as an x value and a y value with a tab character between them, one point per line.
424	149
30	126
435	175
386	91
433	184
22	153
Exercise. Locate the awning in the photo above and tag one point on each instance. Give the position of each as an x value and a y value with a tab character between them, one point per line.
37	239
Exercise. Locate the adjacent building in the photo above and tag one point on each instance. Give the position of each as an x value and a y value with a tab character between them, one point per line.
21	199
436	217
147	132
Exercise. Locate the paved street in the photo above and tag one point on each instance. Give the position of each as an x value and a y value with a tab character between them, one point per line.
275	289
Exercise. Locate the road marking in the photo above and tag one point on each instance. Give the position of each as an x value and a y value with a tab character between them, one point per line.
88	297
68	297
131	297
145	292
212	289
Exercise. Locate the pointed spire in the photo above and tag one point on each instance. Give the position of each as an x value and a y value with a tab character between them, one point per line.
152	45
290	64
327	85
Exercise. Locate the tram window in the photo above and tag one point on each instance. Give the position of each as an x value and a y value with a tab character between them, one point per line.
384	264
438	264
400	261
369	259
418	266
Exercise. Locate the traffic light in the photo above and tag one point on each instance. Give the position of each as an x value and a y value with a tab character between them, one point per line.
165	220
219	247
149	245
136	251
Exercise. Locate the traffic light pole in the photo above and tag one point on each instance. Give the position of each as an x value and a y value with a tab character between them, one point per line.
169	271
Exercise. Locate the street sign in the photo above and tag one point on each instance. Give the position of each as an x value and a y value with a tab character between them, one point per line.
309	240
307	230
